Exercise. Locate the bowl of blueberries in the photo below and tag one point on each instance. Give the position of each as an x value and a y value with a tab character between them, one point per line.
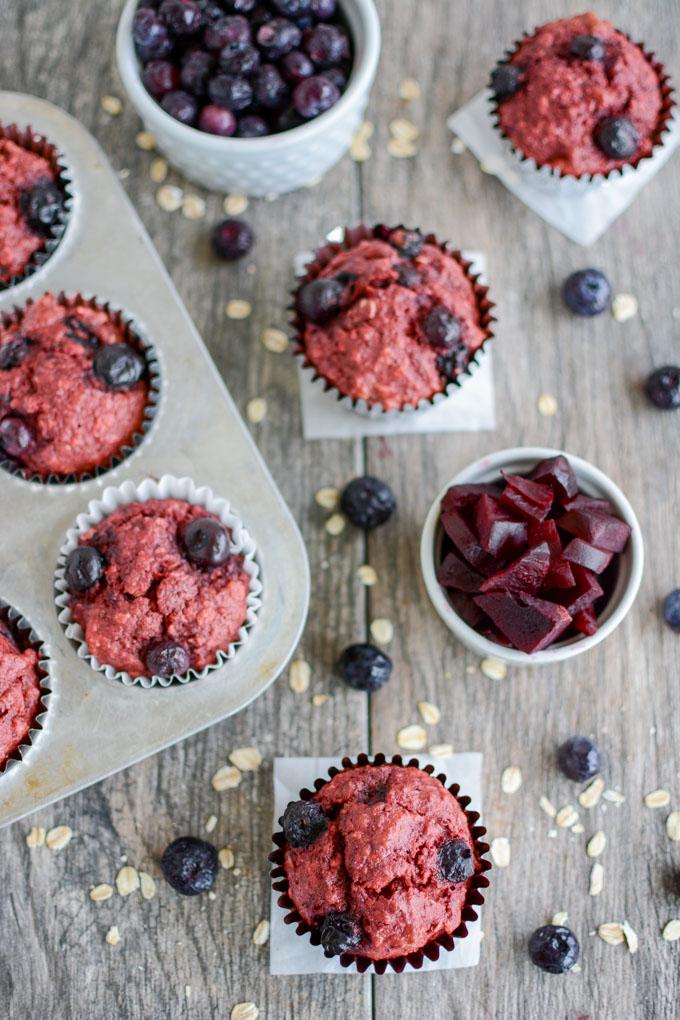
258	97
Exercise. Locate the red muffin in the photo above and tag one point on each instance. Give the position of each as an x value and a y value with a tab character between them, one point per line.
20	691
390	317
74	387
578	96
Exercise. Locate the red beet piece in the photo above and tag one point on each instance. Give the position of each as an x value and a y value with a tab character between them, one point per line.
466	542
454	573
523	575
465	495
546	531
560	575
527	622
602	531
527	498
522	506
558	473
583	502
587	589
586	621
584	555
498	532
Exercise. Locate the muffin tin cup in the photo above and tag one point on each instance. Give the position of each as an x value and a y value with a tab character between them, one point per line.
321	258
29	139
167	487
549	178
432	949
130	336
27	637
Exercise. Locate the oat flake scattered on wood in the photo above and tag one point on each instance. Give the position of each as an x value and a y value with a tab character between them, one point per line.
631	938
559	918
113	935
328	497
367	575
596	879
58	838
238	308
671	932
211	823
614	797
624	307
611	933
657	799
247	759
111	105
511	779
412	738
548	807
596	844
147	885
673	826
145	140
566	816
493	669
193	207
409	90
382	631
500	851
169	197
547	405
36	837
589	797
320	699
244	1011
261	934
235	205
440	750
275	340
101	892
226	778
158	171
429	712
335	524
299	676
256	410
226	857
127	880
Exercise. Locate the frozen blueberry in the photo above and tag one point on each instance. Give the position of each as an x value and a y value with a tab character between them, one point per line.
190	865
441	329
587	47
451	365
159	77
554	948
320	299
151	37
84	567
270	89
196	68
297	66
407	275
167	658
232	30
337	76
239	6
587	292
291	8
16	437
303	822
505	80
368	502
327	45
230	91
183	17
579	758
315	95
364	667
206	542
42	206
119	366
180	105
323	10
14	351
217	120
671	609
277	37
240	60
617	137
252	126
340	932
663	387
408	243
210	11
456	862
232	239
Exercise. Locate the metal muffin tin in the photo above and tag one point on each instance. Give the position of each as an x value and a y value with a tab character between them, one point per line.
95	726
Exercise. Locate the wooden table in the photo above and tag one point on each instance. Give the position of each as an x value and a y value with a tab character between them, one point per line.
55	962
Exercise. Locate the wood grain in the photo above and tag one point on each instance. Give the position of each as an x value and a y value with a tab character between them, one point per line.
55	961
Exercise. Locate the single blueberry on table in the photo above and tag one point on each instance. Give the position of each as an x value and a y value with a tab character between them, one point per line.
167	658
320	299
364	667
579	758
16	437
505	80
456	860
554	948
42	206
663	387
617	137
206	542
84	567
190	865
671	609
119	366
340	932
232	239
587	292
368	502
587	47
303	822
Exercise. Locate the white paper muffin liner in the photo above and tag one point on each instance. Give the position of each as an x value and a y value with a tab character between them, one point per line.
46	666
167	487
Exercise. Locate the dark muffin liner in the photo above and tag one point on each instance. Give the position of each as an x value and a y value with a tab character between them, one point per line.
26	637
28	139
321	258
129	336
433	948
570	183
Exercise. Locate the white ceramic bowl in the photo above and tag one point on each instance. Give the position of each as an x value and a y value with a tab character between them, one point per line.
591	481
275	163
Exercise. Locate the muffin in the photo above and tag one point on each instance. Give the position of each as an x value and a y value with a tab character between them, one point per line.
74	387
157	588
382	863
390	318
20	691
579	97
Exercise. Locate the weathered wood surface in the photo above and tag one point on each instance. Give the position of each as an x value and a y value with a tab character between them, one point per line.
54	961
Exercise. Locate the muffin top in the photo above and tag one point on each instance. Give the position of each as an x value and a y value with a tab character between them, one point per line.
583	99
72	390
19	692
390	859
30	203
156	588
391	320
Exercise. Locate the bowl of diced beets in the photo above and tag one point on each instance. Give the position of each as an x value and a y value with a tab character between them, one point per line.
254	96
531	556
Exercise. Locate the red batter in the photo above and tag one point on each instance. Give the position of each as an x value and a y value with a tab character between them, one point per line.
552	117
20	170
19	693
374	348
378	859
150	590
78	422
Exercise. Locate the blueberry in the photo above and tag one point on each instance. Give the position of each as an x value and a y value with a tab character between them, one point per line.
240	60
252	126
180	105
340	932
230	91
303	822
327	45
368	502
14	351
320	299
408	243
210	12
288	119
554	948
291	8
270	89
337	76
228	31
579	758
206	542
587	47
663	387
297	66
159	77
671	609
217	120
167	658
407	275
451	365
119	366
81	333
84	567
323	10
183	17
151	37
505	80
315	95
617	137
441	329
364	667
456	861
260	16
277	37
189	865
587	292
16	437
239	6
232	239
42	206
195	71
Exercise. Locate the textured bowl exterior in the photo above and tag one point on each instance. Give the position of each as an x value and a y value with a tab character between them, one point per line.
260	166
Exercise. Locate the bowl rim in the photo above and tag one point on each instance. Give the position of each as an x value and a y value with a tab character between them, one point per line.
360	81
587	474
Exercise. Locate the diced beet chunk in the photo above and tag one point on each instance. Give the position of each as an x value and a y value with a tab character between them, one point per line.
560	575
583	502
535	492
523	575
524	507
558	473
546	531
601	530
527	622
587	589
455	573
586	621
465	495
585	555
466	542
498	532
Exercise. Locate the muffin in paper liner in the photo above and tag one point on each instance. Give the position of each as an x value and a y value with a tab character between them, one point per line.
131	336
167	487
28	139
350	238
27	637
433	948
551	179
